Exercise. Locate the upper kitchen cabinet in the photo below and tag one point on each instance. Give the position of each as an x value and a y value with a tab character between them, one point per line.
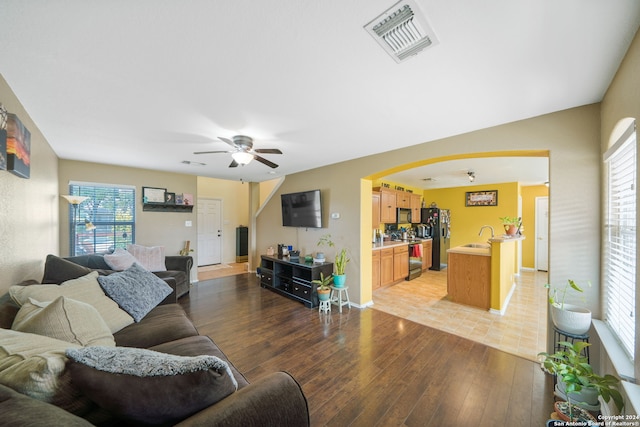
387	205
403	199
416	204
375	209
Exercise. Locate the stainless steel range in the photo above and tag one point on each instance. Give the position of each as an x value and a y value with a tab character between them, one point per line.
415	260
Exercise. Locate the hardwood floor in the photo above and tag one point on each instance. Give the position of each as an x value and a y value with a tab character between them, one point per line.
367	367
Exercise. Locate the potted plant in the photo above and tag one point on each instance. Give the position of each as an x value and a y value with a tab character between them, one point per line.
323	240
324	286
340	265
577	381
511	224
568	317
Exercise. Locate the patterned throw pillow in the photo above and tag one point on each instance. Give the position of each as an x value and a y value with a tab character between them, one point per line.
151	258
136	290
65	319
85	289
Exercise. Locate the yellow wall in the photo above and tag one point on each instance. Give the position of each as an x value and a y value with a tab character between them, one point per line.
467	220
529	194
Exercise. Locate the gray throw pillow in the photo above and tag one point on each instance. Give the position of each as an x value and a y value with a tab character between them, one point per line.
136	290
147	386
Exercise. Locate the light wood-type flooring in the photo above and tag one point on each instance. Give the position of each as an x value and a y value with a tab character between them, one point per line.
522	330
366	367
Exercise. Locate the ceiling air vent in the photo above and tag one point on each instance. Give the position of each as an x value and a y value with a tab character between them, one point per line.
402	31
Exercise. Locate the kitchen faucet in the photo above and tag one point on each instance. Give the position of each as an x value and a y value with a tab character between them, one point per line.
486	226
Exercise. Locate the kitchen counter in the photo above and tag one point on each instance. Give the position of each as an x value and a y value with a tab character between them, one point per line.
396	243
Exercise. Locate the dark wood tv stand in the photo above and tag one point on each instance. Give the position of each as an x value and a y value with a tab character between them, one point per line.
292	278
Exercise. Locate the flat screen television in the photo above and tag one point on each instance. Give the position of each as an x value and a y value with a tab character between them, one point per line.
303	209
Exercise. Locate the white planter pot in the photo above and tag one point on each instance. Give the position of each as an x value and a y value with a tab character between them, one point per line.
586	398
572	319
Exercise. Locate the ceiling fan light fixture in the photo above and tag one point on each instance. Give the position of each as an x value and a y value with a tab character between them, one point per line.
242	157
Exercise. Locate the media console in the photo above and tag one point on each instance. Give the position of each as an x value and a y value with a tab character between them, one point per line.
293	279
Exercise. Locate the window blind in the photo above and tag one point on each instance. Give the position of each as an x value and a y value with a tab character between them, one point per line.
110	209
619	272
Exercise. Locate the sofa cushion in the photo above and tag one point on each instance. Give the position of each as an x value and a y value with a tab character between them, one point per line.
151	258
119	260
149	387
35	366
153	330
85	289
136	290
58	270
65	319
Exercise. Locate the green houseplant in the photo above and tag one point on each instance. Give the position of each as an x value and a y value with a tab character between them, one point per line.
324	286
571	367
325	239
568	317
511	224
341	261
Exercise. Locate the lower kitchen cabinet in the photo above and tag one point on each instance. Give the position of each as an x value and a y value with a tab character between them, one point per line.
427	253
386	266
400	262
375	276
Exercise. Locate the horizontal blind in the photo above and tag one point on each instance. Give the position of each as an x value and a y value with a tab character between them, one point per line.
620	242
111	209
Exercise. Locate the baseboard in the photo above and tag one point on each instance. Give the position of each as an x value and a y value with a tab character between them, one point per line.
506	302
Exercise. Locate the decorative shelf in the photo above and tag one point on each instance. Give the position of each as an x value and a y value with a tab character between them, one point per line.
161	207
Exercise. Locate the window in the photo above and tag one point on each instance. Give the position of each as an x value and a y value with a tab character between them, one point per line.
103	222
619	263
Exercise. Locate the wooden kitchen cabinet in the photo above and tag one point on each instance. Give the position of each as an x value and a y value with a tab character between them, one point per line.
375	209
388	206
403	199
400	262
386	266
375	276
415	204
469	279
427	254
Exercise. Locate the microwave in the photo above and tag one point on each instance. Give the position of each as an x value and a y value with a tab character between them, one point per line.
403	216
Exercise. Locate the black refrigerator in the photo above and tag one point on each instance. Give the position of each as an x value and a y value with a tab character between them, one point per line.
438	222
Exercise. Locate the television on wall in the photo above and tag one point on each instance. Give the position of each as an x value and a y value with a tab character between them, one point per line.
302	209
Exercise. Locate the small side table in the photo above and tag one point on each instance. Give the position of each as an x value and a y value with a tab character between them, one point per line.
572	338
325	306
337	297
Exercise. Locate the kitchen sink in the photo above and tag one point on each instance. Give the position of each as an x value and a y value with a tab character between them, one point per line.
477	245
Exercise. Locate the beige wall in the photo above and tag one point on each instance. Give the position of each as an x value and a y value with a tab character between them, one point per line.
152	228
572	139
28	207
235	209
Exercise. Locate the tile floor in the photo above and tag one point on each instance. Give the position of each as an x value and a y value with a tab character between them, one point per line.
522	330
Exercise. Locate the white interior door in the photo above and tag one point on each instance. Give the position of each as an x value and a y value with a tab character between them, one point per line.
542	233
209	231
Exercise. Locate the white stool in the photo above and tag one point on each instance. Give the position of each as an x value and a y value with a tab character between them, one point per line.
325	306
337	299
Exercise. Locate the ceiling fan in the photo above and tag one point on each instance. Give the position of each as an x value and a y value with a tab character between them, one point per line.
243	151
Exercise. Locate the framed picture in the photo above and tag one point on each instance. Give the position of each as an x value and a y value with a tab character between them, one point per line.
187	199
169	198
18	147
179	199
153	195
482	198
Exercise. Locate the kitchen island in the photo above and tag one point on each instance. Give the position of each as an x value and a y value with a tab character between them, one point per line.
483	274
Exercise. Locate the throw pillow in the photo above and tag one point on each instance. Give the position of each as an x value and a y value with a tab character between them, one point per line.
34	365
136	290
85	289
64	319
119	260
147	386
151	258
58	270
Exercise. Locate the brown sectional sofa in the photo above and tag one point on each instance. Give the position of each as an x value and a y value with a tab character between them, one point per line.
274	400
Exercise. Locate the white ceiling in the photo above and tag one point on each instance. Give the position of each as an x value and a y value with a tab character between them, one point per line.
146	83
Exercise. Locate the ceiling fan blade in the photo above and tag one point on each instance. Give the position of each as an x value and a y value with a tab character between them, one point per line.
268	151
266	162
233	164
228	141
211	152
